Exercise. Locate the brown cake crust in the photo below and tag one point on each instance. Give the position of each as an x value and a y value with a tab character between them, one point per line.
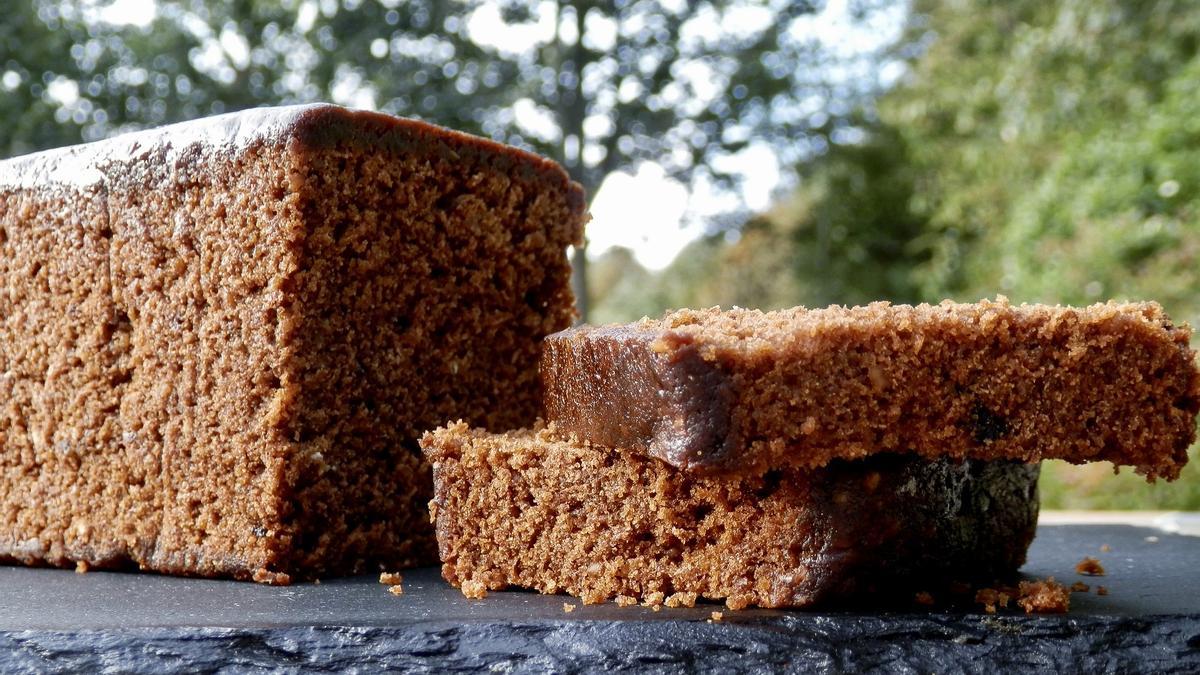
220	340
744	390
527	509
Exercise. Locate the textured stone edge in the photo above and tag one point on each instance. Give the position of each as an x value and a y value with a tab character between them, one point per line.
799	643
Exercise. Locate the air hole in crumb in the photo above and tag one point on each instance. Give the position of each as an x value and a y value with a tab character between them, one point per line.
770	483
120	321
270	380
3	236
701	512
986	425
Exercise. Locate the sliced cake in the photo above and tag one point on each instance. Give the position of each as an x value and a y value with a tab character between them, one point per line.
532	510
746	390
219	341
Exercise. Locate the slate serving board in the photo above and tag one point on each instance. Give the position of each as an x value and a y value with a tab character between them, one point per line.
59	621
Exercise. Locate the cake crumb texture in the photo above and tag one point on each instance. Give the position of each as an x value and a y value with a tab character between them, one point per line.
746	390
220	340
530	510
1044	597
1089	566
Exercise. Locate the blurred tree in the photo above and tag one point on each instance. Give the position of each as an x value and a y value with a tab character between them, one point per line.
31	56
847	235
597	85
1051	147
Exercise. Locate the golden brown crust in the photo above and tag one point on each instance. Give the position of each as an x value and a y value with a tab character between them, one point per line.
216	338
528	510
744	390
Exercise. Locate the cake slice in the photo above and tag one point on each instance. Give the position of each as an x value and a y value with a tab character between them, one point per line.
219	341
530	509
745	390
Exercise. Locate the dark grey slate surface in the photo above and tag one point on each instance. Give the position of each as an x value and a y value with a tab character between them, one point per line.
58	621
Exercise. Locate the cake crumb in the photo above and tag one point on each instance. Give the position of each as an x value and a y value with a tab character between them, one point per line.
654	599
1080	587
1090	566
1044	597
682	599
717	617
265	576
1101	590
474	590
81	567
656	608
738	601
625	601
1105	548
568	607
992	598
924	598
391	578
316	582
396	589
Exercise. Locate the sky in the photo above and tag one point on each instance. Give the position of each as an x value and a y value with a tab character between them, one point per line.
644	209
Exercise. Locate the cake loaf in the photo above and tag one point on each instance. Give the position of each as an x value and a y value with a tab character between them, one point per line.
744	390
219	341
529	509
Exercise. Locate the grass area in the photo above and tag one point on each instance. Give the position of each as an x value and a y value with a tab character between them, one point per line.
1093	486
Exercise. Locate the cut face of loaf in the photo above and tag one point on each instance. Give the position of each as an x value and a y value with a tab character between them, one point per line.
527	509
220	340
744	390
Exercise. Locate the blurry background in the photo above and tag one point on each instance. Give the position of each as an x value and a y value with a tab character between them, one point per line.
760	153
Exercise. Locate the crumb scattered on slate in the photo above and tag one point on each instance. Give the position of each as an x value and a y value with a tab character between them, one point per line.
82	567
924	598
391	578
654	599
683	599
1080	587
625	601
474	590
1105	548
1090	566
568	607
1101	590
397	589
992	598
717	617
1044	597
